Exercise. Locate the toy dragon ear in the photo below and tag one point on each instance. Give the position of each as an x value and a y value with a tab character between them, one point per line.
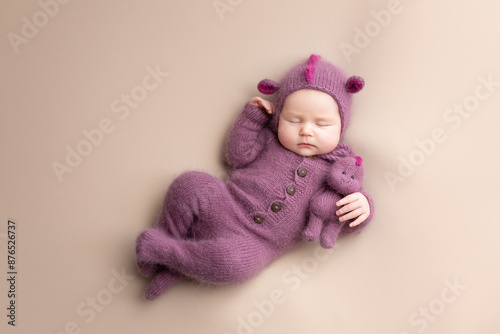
358	160
354	84
268	86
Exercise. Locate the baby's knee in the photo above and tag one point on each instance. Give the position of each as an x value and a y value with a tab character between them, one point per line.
187	180
183	189
193	182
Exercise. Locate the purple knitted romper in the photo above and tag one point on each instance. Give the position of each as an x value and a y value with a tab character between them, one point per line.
220	232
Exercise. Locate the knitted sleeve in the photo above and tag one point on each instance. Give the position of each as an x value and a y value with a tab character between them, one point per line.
248	137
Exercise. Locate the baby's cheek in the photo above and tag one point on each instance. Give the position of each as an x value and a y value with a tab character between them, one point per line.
328	145
285	136
330	139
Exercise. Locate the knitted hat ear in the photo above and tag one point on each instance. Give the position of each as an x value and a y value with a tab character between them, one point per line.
354	84
268	86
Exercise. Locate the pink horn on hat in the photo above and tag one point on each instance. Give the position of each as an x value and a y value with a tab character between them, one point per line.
311	67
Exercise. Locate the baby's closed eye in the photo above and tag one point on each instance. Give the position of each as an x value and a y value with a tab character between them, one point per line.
294	120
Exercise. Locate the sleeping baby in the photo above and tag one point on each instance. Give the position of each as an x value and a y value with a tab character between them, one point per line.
281	155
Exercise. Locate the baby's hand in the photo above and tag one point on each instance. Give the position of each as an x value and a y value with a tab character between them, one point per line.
353	206
261	103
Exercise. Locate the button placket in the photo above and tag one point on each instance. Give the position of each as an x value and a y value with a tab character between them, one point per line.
291	189
302	172
259	219
276	207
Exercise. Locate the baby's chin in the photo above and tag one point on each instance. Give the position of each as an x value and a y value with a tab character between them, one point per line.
309	151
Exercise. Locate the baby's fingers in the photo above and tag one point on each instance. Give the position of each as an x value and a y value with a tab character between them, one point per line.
348	207
268	106
351	215
348	199
261	103
359	220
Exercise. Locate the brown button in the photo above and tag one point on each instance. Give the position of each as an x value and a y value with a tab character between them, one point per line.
259	219
302	172
290	190
276	207
312	157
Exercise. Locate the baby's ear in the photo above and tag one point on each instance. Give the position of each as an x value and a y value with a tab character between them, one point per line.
268	86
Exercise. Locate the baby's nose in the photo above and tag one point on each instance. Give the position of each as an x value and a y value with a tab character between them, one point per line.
306	131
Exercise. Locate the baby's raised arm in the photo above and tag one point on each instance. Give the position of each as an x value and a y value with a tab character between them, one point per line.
250	133
264	104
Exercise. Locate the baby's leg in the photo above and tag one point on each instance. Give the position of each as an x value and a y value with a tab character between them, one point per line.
228	259
163	281
191	196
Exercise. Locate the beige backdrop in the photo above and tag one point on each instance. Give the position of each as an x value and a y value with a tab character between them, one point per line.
104	103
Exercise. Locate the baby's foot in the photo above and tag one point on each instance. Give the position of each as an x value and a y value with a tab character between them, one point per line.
146	254
147	269
163	281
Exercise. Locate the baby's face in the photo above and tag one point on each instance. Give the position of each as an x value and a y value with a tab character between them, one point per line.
309	123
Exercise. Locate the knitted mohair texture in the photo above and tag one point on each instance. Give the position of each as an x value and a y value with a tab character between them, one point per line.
219	232
345	177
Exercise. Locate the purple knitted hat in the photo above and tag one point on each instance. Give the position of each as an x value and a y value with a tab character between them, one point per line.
317	74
